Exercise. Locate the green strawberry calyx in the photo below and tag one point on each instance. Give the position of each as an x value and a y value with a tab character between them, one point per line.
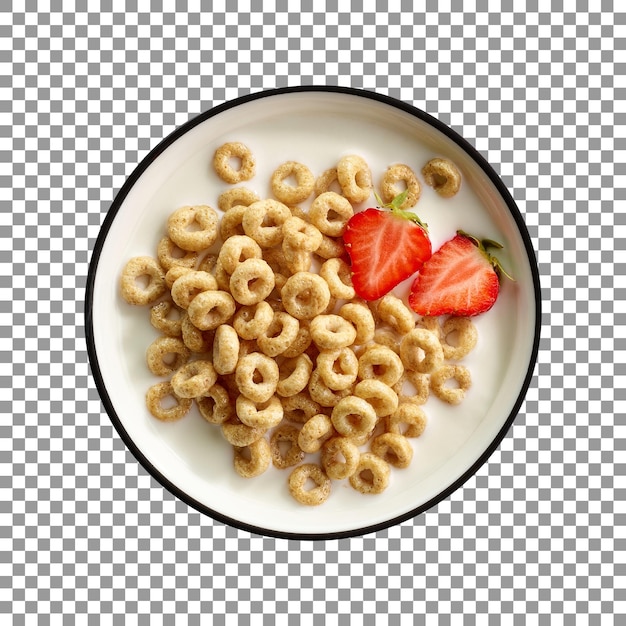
483	245
395	205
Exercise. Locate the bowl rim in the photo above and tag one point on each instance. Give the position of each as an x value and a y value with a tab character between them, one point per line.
131	180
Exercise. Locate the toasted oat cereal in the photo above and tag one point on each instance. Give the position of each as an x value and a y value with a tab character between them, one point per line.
298	479
443	176
234	150
138	268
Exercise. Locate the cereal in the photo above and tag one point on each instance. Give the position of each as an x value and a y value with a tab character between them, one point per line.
138	268
252	321
340	458
263	221
252	281
225	349
165	355
170	255
167	317
254	459
330	248
301	235
222	162
195	339
236	196
210	309
458	337
392	311
174	273
393	448
360	316
232	222
284	456
338	368
257	376
457	373
382	398
215	405
336	272
181	227
421	351
305	295
330	213
194	379
400	173
287	193
371	475
300	407
353	416
355	178
298	479
189	285
443	176
265	415
322	394
237	249
325	181
239	434
382	364
408	420
294	375
154	401
421	384
314	432
331	332
301	343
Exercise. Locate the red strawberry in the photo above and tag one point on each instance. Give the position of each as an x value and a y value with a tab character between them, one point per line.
461	278
385	248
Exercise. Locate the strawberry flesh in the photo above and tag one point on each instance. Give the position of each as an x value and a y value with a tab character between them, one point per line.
458	279
384	249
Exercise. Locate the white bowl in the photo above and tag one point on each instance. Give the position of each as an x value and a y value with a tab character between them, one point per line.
314	125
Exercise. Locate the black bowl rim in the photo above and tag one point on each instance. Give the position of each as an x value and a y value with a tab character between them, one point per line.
151	157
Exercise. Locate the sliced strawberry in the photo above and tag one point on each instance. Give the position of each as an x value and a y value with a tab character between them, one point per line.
460	278
385	248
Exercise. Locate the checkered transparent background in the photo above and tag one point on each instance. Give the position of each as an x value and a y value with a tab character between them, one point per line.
537	536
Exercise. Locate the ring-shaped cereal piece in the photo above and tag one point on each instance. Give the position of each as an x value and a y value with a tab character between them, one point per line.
360	316
432	324
300	234
239	434
421	351
167	317
257	376
232	222
254	459
189	285
338	368
443	176
305	295
194	379
321	393
336	272
279	335
225	349
408	420
340	458
237	249
331	332
195	339
324	182
421	383
170	255
393	448
300	407
315	432
263	415
331	248
174	273
387	337
296	259
251	321
301	343
451	395
252	281
371	475
294	375
263	221
465	336
393	312
222	162
210	309
382	397
236	196
330	213
193	227
208	262
298	480
222	277
283	458
355	178
147	269
165	355
154	401
381	363
215	405
286	193
353	417
400	173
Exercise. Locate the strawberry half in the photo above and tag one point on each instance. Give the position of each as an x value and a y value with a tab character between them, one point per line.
460	278
385	247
